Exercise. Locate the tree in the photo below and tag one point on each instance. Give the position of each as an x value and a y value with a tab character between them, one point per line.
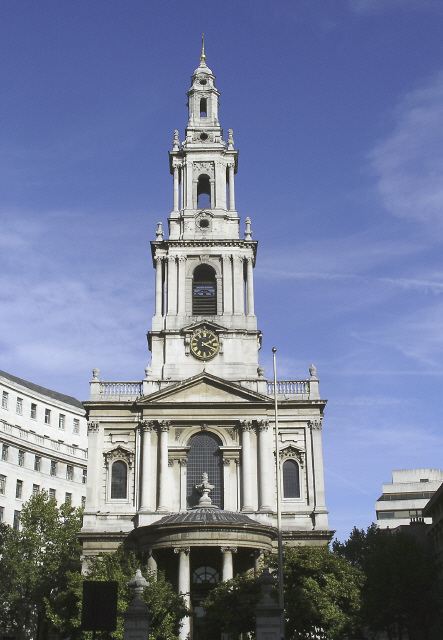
165	607
230	607
401	591
35	561
322	591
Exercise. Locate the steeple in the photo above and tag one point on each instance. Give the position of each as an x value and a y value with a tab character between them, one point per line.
203	166
204	313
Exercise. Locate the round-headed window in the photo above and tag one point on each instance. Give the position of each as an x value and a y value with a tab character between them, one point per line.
291	479
119	480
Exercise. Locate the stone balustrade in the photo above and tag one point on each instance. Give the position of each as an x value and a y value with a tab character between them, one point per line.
289	387
115	390
42	441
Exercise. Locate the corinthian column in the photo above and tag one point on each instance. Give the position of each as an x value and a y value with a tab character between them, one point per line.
249	287
181	284
264	460
246	466
239	307
176	189
95	466
228	565
231	187
164	489
184	587
158	285
227	284
172	285
146	427
320	511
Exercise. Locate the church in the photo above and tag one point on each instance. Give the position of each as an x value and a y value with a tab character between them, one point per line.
182	464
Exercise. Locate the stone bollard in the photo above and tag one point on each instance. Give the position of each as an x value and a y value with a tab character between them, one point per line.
268	615
136	615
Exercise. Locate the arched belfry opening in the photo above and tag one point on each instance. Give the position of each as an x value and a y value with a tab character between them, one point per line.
204	291
203	192
203	108
204	457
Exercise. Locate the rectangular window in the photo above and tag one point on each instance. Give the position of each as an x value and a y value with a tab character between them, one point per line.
68	497
52	494
61	421
83	501
2	484
5	400
53	468
69	472
37	463
2	511
21	458
85	476
19	407
33	411
19	489
16	523
35	489
47	416
76	428
5	450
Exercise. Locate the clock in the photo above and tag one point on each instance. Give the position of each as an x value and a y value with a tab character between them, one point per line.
204	344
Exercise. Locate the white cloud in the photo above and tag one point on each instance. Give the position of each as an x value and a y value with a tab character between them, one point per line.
368	7
409	162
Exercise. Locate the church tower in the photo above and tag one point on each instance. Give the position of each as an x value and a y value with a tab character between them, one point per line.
204	297
181	464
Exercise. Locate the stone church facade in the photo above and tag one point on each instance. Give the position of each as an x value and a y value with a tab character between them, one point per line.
182	464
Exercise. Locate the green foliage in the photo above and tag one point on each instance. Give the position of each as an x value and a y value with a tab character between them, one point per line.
35	561
401	591
165	608
41	586
230	607
322	591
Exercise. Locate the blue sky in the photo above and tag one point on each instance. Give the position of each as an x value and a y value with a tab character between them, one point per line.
337	110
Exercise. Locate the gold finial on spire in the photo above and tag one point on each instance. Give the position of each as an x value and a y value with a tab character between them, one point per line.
202	56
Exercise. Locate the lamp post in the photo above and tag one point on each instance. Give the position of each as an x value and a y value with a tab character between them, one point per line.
281	597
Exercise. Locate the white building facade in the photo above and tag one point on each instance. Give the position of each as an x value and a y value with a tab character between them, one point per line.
182	463
404	498
43	445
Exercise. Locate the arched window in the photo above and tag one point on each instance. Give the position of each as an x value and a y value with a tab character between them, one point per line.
205	575
203	108
203	192
205	457
291	479
119	478
204	291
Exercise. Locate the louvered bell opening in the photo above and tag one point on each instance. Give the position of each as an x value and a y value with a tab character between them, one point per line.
204	292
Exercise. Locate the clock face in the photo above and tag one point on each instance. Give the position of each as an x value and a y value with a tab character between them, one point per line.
204	344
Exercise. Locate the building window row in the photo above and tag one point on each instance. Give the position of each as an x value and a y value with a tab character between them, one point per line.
406	513
33	413
16	521
38	466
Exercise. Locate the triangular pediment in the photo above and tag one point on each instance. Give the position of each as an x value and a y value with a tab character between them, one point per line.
204	388
209	324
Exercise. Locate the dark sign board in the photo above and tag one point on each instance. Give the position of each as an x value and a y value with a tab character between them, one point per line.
99	607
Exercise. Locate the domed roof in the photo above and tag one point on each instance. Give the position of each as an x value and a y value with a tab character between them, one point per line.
202	68
207	516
